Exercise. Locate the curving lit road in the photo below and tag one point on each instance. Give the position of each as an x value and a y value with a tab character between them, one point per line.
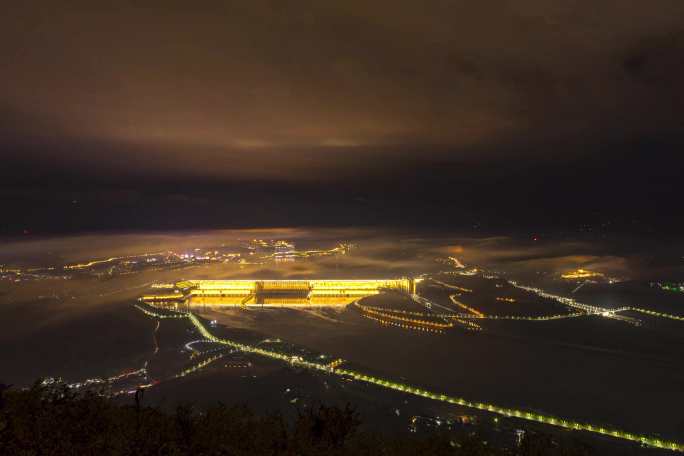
409	389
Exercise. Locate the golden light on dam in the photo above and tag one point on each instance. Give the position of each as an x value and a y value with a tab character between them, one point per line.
279	293
580	274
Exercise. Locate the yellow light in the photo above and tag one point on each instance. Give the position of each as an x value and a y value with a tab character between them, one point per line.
581	274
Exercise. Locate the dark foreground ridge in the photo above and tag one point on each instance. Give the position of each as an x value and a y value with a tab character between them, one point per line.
41	421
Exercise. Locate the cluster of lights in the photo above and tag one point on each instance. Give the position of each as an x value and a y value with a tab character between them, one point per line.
401	325
468	272
562	299
589	309
469	325
170	256
526	318
656	314
129	373
580	274
595	310
287	249
19	275
459	316
455	261
158	315
472	310
505	299
142	372
397	311
200	365
453	287
480	316
239	365
461	268
189	346
670	286
335	364
109	260
215	350
162	297
414	321
408	389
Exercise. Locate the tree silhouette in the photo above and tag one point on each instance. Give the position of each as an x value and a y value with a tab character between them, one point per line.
57	421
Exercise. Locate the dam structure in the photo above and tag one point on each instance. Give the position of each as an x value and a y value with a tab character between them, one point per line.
277	292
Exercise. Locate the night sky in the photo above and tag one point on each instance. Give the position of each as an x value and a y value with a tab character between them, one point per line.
525	114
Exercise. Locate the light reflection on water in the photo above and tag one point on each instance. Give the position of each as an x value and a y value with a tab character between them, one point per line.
581	367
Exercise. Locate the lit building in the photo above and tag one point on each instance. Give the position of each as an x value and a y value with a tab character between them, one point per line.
284	251
581	274
277	293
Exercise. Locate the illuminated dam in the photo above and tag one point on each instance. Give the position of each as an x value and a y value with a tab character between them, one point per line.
277	293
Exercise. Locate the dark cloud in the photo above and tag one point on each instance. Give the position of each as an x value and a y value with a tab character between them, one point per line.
285	100
658	61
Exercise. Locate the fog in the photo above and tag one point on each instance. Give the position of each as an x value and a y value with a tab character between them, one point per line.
80	323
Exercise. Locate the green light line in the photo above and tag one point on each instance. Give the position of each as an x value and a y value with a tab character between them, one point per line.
508	412
656	314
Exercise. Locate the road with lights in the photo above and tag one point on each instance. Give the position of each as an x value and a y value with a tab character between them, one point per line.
436	318
409	389
586	308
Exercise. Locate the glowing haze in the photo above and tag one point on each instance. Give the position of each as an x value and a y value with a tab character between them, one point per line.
309	92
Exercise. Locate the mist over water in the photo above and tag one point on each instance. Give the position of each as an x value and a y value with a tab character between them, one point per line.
80	323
